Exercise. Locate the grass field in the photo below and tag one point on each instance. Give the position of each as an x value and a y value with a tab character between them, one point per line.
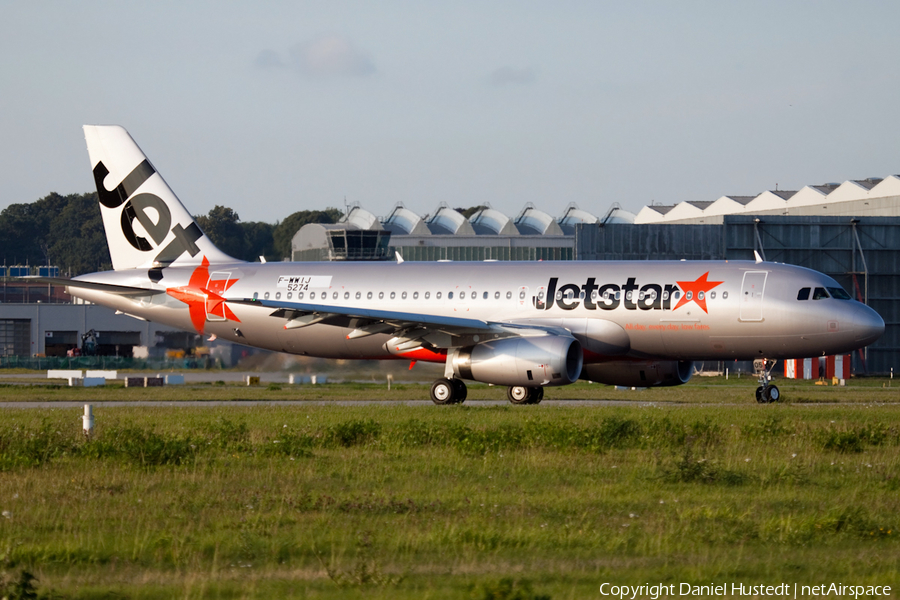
393	501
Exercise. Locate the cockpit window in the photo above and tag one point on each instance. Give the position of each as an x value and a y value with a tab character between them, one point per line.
819	294
839	293
803	294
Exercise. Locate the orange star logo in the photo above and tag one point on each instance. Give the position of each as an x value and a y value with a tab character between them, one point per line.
204	296
695	291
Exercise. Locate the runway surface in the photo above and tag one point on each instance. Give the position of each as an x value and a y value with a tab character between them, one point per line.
300	403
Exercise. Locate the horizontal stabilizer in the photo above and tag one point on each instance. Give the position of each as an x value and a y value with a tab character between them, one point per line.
120	290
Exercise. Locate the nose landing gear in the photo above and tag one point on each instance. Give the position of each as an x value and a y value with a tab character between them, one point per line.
766	392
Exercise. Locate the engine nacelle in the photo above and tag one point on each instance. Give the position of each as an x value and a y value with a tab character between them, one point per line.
528	361
651	373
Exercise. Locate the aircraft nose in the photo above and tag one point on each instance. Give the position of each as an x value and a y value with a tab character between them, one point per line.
867	324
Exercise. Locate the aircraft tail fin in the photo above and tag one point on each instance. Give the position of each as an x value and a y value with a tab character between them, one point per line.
146	225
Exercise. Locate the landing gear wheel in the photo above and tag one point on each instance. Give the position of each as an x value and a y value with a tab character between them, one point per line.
460	391
766	392
518	394
442	391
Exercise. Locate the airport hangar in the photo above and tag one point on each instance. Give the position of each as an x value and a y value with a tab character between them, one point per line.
850	231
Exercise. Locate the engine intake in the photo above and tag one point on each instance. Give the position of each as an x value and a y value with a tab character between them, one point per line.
652	373
526	361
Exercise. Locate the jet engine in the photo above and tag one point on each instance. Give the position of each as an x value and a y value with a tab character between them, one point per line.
650	373
521	361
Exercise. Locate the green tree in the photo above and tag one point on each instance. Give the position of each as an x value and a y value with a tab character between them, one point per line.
260	241
222	227
67	231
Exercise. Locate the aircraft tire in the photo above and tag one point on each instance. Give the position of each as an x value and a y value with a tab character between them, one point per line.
518	394
443	391
772	394
759	395
535	395
460	391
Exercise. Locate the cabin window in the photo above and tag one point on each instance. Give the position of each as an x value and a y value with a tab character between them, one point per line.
427	295
256	295
393	295
496	295
689	295
522	295
484	296
820	293
266	296
278	295
381	295
839	293
415	295
724	295
437	296
803	294
676	295
299	295
369	296
700	295
290	295
312	295
449	295
346	295
358	295
665	295
712	295
403	296
334	296
509	295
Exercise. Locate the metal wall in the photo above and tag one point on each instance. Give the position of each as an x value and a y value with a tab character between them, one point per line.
862	254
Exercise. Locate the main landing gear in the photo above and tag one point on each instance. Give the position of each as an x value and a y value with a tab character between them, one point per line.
519	394
766	392
448	391
454	391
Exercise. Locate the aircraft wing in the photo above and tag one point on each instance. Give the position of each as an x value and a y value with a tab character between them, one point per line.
120	290
411	328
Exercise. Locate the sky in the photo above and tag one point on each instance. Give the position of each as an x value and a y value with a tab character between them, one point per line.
274	107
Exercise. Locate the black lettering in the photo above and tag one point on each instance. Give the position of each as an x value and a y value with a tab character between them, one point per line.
607	296
566	302
551	292
627	295
652	297
136	209
589	288
183	242
118	196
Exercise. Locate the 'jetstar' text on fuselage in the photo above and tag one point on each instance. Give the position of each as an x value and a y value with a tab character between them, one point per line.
631	296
